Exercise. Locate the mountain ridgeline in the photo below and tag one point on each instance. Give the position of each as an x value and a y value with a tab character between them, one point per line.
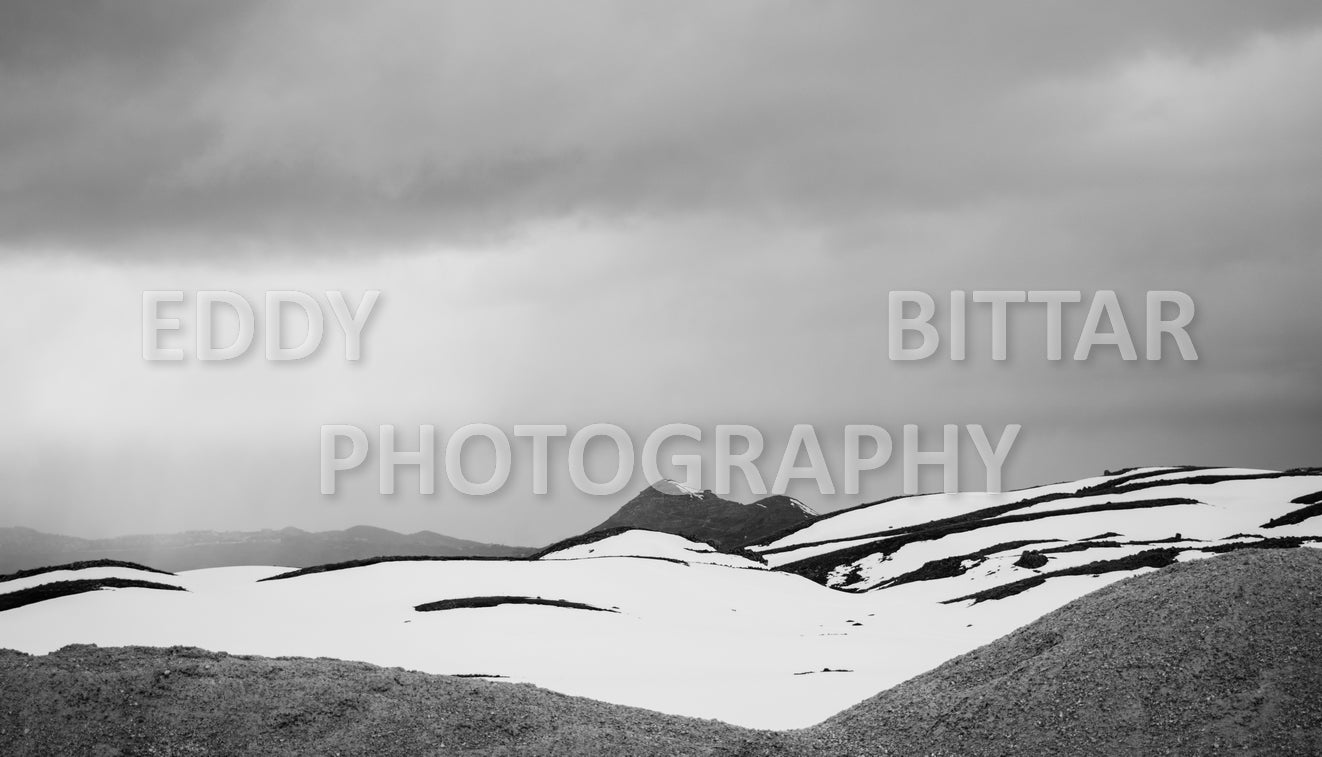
25	548
673	508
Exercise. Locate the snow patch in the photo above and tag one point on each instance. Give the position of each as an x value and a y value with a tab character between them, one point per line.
676	489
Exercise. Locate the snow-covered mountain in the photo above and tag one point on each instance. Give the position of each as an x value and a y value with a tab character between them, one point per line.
674	508
782	635
634	542
1148	516
1219	656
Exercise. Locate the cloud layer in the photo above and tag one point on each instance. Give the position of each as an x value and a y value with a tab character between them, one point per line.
419	123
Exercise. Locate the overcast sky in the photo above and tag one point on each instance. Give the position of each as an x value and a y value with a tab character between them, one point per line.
639	213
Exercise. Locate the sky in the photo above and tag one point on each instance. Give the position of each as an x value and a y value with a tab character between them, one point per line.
640	214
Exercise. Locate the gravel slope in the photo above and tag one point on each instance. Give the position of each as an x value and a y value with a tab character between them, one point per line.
1214	656
137	701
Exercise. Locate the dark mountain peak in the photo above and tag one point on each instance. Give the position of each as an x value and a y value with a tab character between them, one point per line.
674	508
784	501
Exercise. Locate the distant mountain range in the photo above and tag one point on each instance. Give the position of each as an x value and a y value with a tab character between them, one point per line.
23	548
664	506
676	509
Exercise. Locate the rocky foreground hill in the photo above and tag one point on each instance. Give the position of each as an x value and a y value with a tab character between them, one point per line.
1213	656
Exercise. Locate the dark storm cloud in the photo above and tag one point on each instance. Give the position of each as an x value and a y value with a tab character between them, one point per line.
394	123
